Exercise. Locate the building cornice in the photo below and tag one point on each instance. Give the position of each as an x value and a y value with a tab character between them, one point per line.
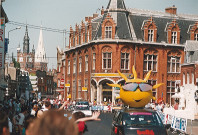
117	41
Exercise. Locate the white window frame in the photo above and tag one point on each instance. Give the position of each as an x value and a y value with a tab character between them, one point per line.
82	38
80	64
152	61
188	78
68	67
94	61
193	77
184	79
126	61
171	87
79	88
174	37
108	31
173	62
107	59
86	63
153	82
196	36
150	35
88	35
74	65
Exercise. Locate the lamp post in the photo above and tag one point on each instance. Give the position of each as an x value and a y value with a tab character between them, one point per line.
12	30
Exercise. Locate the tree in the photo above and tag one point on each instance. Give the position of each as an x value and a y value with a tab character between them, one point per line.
16	64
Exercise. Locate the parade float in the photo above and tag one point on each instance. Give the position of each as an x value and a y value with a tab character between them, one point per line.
136	92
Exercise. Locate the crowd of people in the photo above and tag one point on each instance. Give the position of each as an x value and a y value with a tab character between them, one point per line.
18	117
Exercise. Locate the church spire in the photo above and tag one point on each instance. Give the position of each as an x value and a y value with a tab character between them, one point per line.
40	55
26	42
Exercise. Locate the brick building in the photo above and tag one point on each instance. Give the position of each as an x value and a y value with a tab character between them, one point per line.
35	60
120	38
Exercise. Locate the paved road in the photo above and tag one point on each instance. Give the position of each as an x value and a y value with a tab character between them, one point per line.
103	127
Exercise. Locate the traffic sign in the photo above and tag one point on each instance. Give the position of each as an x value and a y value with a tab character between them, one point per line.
62	83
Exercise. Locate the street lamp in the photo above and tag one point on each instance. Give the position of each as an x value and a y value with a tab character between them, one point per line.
12	30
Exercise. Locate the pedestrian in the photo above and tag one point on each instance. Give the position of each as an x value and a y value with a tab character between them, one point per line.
80	119
34	110
19	119
53	122
4	128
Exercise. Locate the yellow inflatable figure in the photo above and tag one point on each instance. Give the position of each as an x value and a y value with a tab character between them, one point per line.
136	92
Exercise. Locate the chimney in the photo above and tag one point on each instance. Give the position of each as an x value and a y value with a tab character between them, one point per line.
86	19
171	10
102	11
95	15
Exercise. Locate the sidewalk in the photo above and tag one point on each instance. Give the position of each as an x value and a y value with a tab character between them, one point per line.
192	130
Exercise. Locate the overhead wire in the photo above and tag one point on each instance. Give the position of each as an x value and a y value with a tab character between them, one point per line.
37	27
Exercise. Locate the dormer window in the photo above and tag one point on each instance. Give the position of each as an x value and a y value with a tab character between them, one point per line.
150	35
108	28
173	32
108	32
174	37
150	30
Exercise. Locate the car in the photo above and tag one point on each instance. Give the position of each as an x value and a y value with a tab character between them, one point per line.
138	122
84	107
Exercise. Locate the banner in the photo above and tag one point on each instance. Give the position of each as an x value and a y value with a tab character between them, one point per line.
2	40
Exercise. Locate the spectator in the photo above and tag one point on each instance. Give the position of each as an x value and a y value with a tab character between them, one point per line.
34	110
53	122
176	105
28	123
4	128
80	120
47	106
19	120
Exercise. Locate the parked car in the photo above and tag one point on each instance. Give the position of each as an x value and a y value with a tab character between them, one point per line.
138	122
84	107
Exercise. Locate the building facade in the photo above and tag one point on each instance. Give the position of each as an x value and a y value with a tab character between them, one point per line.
121	38
35	60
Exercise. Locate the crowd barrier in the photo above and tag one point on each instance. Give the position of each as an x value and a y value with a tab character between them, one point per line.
176	122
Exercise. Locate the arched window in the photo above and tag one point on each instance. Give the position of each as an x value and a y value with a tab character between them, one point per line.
174	36
150	30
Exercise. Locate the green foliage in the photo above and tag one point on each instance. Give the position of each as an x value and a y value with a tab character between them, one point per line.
16	64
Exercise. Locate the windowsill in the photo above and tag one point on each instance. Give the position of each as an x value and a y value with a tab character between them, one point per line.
151	71
173	72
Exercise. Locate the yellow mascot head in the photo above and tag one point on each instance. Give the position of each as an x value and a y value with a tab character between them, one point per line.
136	92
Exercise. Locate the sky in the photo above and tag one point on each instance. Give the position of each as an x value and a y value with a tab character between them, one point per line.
61	14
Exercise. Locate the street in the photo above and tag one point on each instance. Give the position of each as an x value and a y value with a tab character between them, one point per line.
103	127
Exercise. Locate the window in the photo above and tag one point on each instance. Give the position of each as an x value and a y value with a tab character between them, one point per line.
108	32
184	79
196	35
94	61
174	37
153	82
86	85
74	90
150	35
68	67
106	60
86	63
80	64
171	85
150	62
74	66
192	78
82	38
125	61
79	88
88	35
173	64
188	78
